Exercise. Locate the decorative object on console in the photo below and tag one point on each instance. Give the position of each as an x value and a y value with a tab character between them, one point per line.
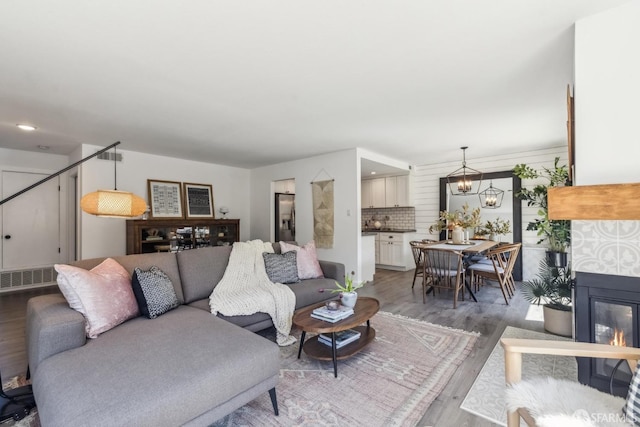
198	199
224	211
491	197
103	294
165	198
462	181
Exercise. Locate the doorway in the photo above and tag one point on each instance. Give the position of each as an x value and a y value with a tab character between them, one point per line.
285	210
30	222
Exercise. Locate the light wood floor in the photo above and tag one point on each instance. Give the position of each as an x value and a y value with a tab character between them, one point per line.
489	316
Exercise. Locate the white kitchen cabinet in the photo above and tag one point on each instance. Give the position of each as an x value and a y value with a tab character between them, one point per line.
397	191
395	251
373	193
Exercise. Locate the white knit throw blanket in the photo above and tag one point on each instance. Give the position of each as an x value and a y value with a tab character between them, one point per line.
246	289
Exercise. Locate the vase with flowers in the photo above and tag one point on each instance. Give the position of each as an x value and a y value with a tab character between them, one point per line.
458	221
496	228
348	294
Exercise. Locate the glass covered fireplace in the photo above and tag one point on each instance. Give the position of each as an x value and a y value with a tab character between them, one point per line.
606	310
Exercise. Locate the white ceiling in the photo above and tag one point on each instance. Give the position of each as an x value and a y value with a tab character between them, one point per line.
251	83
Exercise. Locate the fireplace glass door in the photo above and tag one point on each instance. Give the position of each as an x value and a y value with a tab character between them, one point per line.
613	325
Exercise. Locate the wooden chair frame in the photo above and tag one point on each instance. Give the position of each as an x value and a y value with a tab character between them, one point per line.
416	249
438	263
503	259
515	348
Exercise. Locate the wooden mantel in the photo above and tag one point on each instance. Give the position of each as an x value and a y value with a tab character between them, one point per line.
595	202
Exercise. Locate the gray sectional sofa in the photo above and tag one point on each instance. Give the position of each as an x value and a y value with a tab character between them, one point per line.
186	367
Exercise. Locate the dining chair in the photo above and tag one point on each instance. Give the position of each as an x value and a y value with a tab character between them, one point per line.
546	401
503	259
416	249
443	269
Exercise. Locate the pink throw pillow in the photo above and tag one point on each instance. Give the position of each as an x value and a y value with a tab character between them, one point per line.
307	259
103	294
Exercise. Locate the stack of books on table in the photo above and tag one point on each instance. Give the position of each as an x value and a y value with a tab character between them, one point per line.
323	313
342	338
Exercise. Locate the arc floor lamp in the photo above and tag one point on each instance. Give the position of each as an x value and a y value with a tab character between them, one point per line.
109	203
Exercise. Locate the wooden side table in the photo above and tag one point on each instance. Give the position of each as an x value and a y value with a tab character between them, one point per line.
364	310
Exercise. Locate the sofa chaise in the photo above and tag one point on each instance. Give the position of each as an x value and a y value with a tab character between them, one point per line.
185	367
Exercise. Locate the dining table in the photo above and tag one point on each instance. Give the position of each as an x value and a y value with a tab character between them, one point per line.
468	249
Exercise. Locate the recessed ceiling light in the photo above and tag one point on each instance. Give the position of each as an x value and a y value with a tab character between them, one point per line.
43	147
373	172
27	128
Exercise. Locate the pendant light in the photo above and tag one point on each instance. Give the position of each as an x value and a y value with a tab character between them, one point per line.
491	198
109	203
113	203
462	181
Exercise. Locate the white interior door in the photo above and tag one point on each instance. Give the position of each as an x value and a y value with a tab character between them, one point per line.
30	222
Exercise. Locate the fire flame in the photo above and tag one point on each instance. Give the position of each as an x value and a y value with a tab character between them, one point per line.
618	338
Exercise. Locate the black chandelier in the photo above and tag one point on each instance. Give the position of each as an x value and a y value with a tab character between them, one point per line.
491	198
462	181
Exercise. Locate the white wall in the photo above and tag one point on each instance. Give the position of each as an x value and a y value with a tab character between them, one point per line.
107	236
607	86
343	167
607	75
37	162
426	194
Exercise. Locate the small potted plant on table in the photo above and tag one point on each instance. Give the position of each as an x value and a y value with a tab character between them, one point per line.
348	294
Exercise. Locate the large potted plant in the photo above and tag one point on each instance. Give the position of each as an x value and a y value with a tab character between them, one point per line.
552	288
557	233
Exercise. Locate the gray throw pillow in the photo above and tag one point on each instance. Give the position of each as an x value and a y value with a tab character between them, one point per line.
281	268
154	292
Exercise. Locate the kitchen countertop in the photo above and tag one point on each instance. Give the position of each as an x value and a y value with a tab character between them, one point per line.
387	230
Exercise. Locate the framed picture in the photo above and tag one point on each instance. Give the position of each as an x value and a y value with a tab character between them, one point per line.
198	200
165	199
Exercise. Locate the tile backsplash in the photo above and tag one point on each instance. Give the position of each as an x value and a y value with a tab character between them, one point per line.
398	218
606	247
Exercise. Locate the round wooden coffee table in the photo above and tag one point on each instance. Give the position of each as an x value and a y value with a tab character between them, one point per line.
364	310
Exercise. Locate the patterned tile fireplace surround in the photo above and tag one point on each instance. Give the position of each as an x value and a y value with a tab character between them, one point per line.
606	247
606	258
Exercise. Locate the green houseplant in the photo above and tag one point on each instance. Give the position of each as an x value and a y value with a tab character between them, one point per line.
557	233
467	218
552	287
495	228
348	294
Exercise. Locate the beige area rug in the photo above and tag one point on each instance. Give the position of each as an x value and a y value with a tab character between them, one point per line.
391	382
486	396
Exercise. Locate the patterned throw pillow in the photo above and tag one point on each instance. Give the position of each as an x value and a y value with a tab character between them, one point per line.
632	407
308	265
154	292
281	268
103	294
